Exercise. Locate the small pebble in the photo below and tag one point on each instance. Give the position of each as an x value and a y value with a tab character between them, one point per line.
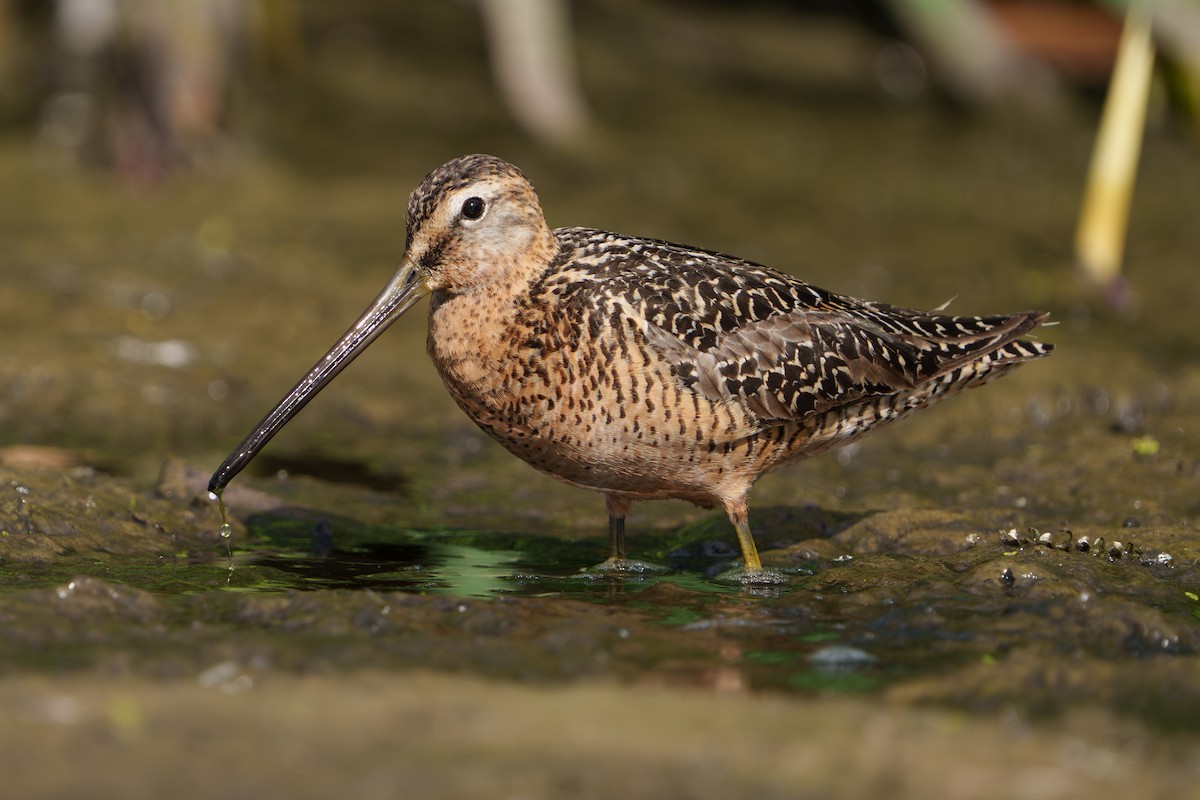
837	656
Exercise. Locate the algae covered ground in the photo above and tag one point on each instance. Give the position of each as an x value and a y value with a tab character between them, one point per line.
997	598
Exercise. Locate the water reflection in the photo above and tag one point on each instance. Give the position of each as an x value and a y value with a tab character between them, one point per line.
460	563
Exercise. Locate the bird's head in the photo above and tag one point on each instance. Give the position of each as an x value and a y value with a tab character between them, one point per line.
472	224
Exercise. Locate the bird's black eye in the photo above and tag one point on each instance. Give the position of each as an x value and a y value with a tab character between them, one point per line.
472	208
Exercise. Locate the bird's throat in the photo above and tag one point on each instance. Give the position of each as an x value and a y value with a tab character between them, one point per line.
470	335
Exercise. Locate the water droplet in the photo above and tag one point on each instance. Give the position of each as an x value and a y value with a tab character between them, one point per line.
212	496
226	530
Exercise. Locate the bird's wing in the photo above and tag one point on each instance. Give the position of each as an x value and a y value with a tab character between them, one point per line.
810	361
739	332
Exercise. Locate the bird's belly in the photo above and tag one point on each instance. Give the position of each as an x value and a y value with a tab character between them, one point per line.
662	441
618	462
610	459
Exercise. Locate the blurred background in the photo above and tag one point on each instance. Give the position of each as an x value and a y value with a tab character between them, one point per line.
196	198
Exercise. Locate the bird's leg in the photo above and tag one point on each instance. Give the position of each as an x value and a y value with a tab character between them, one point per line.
616	537
617	561
739	515
751	572
617	508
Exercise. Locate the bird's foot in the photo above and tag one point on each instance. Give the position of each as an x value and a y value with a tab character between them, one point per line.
627	566
753	577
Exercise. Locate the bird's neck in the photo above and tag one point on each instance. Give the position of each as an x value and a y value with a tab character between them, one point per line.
467	331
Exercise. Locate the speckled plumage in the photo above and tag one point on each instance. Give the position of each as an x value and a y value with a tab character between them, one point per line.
643	369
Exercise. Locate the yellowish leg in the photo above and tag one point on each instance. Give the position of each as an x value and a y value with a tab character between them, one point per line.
739	515
749	552
752	572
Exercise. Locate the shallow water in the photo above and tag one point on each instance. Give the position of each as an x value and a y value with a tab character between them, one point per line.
441	612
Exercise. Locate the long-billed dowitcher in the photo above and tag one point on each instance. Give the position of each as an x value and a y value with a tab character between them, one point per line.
643	369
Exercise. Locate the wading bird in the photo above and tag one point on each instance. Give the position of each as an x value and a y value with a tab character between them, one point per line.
642	369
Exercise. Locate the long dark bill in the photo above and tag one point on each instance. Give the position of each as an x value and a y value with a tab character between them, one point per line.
405	289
